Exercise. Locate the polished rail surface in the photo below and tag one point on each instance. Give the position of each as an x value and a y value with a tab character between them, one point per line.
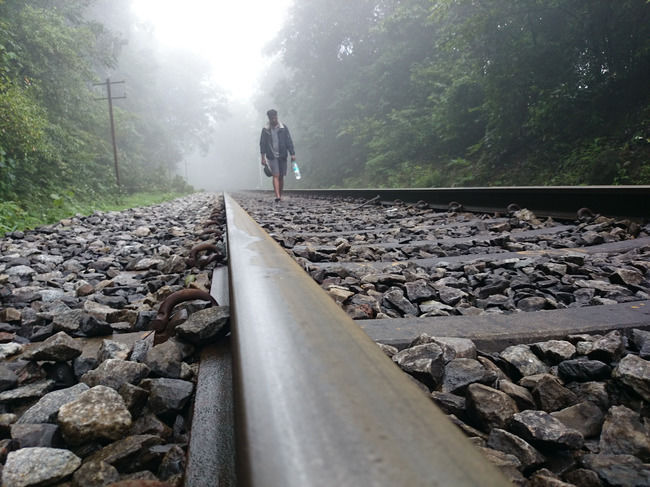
317	402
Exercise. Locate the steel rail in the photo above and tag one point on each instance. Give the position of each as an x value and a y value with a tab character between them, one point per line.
555	201
316	401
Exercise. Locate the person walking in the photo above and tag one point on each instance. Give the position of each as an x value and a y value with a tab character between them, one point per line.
275	147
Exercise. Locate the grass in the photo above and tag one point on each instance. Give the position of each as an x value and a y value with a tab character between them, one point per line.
16	216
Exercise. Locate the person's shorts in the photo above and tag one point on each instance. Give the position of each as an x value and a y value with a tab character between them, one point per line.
278	166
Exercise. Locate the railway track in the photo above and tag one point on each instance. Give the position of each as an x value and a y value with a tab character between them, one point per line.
316	403
330	296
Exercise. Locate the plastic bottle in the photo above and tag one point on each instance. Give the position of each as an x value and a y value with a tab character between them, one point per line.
296	170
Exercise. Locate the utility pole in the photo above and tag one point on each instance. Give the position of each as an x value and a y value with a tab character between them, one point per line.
110	99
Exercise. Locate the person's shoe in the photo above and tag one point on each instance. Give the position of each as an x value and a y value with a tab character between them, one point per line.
277	200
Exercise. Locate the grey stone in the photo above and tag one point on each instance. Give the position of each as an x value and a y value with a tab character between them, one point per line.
135	398
83	364
532	303
521	395
541	429
148	263
167	395
27	392
115	372
627	277
545	478
583	370
20	270
489	407
8	378
101	311
523	361
418	290
467	429
424	362
450	295
554	351
129	454
149	424
38	466
68	321
165	359
92	326
506	442
495	287
206	325
608	348
47	408
595	392
61	373
581	477
453	347
461	372
57	348
395	299
449	403
634	372
641	341
623	433
490	365
618	470
31	435
550	395
95	474
585	417
110	349
98	413
435	308
141	347
173	463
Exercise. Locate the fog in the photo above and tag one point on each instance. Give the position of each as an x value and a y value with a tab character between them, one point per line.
232	160
199	71
231	37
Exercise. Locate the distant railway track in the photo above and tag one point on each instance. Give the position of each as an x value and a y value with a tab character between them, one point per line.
309	385
416	234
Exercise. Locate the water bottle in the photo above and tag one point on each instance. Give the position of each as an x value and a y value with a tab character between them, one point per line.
296	170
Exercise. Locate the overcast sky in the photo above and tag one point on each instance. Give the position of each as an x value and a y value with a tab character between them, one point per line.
230	34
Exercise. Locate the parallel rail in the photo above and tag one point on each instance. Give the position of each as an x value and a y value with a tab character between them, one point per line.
555	201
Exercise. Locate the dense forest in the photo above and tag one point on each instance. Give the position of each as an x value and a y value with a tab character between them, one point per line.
55	139
411	93
468	92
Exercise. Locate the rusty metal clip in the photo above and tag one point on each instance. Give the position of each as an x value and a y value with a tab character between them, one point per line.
204	247
160	324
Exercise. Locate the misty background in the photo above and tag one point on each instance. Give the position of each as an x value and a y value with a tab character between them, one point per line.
209	52
377	93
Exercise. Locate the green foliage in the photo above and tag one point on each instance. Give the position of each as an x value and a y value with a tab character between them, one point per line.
55	148
458	92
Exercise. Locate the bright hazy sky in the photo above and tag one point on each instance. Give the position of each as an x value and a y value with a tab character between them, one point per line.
229	33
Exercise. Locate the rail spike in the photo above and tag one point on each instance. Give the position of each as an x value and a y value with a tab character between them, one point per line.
585	215
204	247
454	206
513	207
160	324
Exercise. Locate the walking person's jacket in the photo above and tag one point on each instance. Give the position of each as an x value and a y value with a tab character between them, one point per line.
285	144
